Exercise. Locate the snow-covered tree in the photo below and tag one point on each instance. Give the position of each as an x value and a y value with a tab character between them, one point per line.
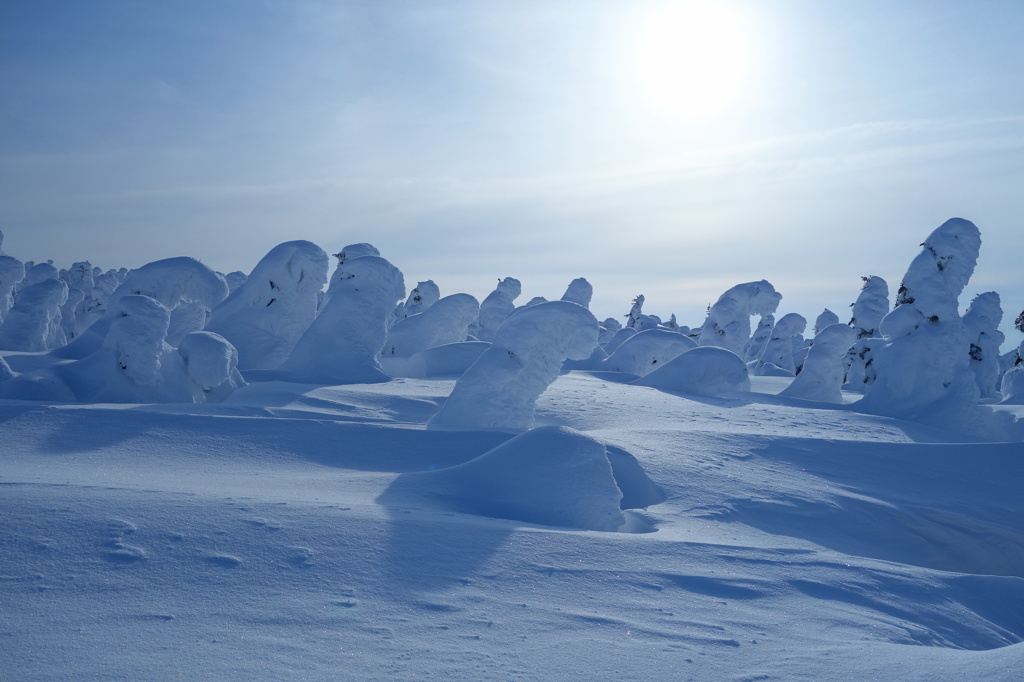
636	312
822	375
500	390
34	323
579	291
496	308
923	368
755	347
982	323
12	271
728	321
423	295
267	314
871	306
704	370
779	351
446	321
826	319
344	342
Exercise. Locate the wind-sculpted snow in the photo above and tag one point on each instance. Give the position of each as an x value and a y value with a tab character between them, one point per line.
550	475
500	390
579	291
212	366
448	360
343	344
446	321
264	317
704	371
982	324
646	351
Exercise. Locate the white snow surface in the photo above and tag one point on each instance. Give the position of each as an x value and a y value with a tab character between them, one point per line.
296	533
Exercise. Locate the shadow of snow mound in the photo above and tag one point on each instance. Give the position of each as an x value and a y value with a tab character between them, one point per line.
551	476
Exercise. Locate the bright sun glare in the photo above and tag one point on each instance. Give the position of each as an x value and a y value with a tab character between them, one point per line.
689	58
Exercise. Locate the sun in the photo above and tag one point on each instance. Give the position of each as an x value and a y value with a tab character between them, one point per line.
689	58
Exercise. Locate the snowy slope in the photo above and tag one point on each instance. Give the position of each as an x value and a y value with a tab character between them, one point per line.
298	532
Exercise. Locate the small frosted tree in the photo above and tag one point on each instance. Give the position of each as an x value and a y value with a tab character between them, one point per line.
822	375
868	310
579	291
12	271
34	323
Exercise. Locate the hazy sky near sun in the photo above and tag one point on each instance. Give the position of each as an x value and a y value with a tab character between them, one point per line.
669	149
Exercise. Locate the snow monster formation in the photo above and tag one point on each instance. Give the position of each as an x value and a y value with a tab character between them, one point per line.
779	353
34	323
497	307
982	323
822	375
500	390
12	271
343	344
446	321
923	366
868	310
728	321
264	317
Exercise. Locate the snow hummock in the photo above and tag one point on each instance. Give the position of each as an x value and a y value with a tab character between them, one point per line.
550	475
703	371
500	390
646	351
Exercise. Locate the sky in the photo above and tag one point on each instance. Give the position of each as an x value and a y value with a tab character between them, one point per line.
665	149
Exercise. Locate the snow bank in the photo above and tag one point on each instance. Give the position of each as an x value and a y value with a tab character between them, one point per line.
267	314
344	343
646	351
446	321
705	371
500	390
728	322
550	475
822	375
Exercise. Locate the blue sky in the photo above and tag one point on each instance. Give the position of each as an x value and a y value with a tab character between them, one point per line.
475	140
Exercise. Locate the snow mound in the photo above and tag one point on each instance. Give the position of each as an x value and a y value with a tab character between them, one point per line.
706	371
646	351
500	390
551	475
449	360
